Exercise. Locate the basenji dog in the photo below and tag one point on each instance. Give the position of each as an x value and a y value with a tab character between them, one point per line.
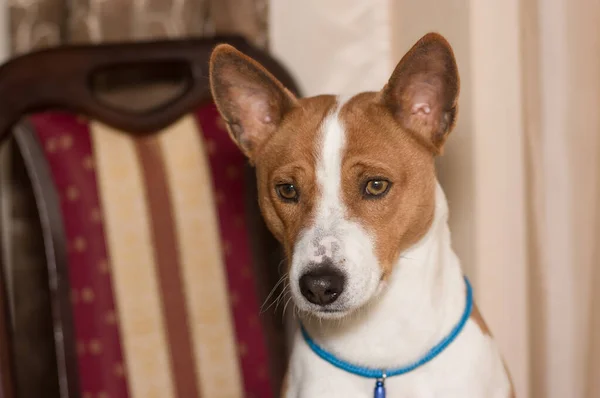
348	185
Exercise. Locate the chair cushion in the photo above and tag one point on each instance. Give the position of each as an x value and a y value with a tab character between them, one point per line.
165	300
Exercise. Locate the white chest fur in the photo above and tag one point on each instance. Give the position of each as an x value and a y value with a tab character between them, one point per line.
421	303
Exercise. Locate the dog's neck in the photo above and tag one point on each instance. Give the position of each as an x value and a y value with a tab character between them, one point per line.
422	301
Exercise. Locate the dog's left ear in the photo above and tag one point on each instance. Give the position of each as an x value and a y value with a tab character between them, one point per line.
251	100
422	92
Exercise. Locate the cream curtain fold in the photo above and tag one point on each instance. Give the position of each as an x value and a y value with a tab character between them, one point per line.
43	23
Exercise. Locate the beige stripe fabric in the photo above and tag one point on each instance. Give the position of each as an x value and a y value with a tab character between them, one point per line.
129	242
150	314
174	308
201	260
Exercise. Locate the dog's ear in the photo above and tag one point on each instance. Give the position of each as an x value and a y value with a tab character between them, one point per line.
422	92
249	98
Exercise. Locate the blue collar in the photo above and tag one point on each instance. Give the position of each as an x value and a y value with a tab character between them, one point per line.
381	374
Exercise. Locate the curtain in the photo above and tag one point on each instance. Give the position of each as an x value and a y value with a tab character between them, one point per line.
521	170
564	147
42	23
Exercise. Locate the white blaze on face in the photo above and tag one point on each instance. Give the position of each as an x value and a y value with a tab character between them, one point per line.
332	237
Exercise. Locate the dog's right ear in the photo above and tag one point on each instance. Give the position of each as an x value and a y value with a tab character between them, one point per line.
250	99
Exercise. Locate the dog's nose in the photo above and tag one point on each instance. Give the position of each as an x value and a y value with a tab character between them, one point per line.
323	285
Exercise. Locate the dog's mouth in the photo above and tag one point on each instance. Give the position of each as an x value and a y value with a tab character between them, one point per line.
332	312
327	313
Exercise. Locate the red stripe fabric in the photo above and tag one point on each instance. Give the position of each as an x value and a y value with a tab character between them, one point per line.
67	144
227	164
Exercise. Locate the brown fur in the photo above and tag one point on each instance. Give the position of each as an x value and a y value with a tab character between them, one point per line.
478	319
377	147
290	157
372	133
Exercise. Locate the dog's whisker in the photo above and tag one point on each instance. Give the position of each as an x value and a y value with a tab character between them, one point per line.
282	295
286	304
262	307
274	302
280	264
278	301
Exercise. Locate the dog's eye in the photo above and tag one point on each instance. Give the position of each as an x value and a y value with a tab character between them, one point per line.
287	192
375	188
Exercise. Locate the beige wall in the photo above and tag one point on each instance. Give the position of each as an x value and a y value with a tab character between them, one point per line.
338	46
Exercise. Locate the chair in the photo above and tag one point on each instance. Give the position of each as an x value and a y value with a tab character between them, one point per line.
156	257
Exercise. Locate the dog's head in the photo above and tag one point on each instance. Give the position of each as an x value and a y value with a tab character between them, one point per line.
344	184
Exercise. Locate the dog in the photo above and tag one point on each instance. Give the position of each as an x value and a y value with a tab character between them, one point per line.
348	185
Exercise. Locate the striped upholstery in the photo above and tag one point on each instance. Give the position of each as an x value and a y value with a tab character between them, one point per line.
164	299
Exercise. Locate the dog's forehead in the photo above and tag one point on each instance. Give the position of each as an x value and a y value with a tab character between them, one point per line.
303	126
372	131
365	125
298	135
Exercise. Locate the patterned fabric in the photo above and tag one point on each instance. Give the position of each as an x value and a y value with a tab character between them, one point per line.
165	302
67	145
44	23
